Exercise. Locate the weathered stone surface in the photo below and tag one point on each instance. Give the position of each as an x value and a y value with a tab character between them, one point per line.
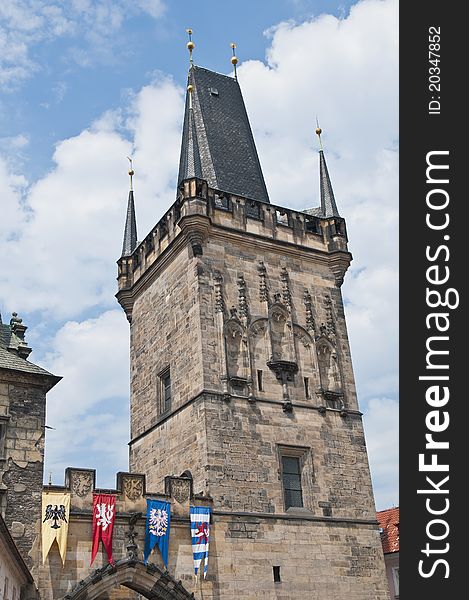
17	529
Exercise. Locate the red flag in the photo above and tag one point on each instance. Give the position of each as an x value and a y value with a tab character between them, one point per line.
104	514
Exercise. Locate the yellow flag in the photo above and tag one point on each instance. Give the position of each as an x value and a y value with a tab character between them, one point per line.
55	518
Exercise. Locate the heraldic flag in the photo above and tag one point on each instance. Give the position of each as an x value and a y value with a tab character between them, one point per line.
200	532
157	528
104	514
55	516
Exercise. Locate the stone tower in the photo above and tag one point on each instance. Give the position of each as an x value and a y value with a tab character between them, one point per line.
241	375
23	389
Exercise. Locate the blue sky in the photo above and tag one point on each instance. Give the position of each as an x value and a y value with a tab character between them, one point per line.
86	83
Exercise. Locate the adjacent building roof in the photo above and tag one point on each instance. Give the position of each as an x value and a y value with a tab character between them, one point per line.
389	528
217	141
12	352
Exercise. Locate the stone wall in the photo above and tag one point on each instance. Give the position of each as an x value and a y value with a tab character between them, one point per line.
23	400
244	442
165	323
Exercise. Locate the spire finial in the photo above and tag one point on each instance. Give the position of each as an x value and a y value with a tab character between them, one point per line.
190	46
190	89
131	173
234	59
318	133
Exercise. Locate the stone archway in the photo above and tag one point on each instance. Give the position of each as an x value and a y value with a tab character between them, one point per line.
148	580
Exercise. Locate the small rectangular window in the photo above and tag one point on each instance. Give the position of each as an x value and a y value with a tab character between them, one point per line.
291	478
306	382
260	386
276	571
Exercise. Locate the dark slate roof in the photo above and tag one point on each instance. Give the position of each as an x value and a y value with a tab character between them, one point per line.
328	205
315	212
217	141
9	360
130	230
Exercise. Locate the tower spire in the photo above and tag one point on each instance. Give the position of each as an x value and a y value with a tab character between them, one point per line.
328	204
234	60
130	230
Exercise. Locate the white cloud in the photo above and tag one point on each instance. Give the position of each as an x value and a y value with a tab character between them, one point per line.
12	215
381	422
90	23
73	234
88	408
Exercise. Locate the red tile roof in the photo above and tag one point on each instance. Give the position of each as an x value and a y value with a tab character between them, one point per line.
389	527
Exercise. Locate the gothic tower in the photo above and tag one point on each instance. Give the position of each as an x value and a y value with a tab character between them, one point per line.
241	375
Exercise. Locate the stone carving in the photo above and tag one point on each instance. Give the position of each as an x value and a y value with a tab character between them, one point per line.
328	367
258	327
310	325
263	291
132	548
302	337
278	332
236	348
330	323
133	488
242	299
82	483
286	293
219	302
180	489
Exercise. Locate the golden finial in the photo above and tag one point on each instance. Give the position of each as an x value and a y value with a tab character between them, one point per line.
318	133
190	89
131	173
234	59
50	477
190	46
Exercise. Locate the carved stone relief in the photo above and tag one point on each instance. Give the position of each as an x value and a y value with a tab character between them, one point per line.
82	482
133	488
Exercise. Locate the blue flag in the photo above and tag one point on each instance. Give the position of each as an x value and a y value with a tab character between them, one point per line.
200	533
157	529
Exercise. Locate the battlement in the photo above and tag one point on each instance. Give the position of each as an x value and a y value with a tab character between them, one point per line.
200	209
130	491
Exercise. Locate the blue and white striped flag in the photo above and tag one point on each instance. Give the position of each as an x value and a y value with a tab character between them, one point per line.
200	532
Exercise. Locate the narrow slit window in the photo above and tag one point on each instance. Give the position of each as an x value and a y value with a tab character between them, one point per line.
260	385
276	571
165	391
306	382
3	433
